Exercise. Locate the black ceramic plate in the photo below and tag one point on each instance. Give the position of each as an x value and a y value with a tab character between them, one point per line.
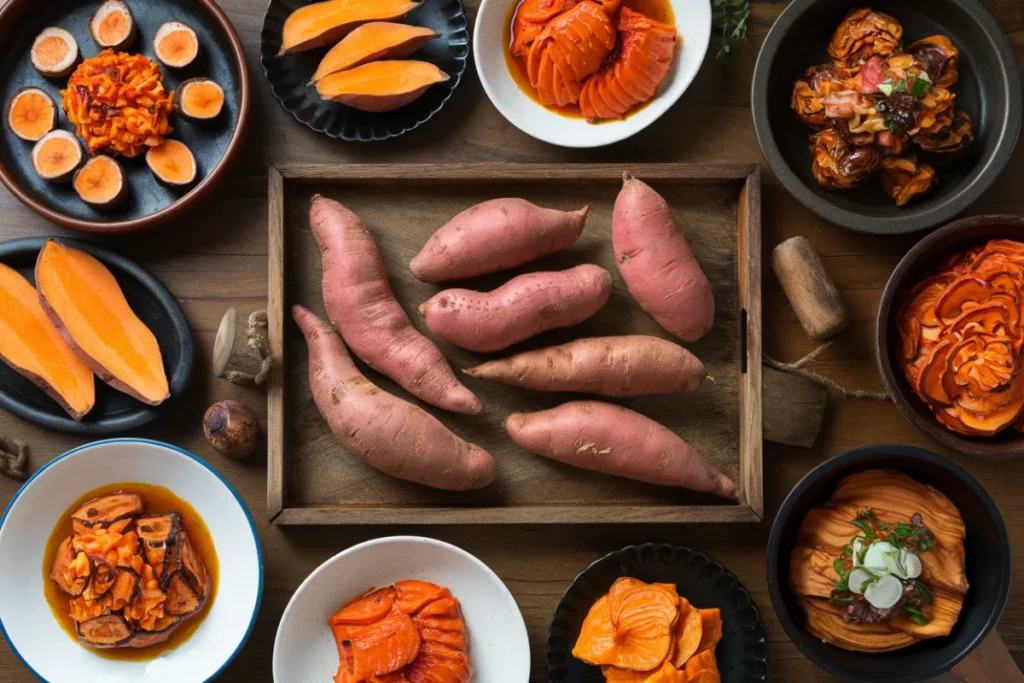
988	90
743	652
289	75
220	58
114	411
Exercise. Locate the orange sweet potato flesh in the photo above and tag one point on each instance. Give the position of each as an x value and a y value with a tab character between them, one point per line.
89	309
702	668
370	608
412	596
381	86
31	114
373	42
323	23
569	49
172	163
378	648
32	345
688	633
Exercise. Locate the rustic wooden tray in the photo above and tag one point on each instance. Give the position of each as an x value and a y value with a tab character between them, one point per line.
313	480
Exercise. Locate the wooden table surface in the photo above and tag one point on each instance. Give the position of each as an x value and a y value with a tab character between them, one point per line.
217	256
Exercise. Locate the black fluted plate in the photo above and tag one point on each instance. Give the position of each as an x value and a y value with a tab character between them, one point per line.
289	75
743	652
114	411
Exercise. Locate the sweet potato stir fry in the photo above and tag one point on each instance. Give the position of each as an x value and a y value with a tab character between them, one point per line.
961	336
411	632
118	103
648	633
880	107
134	577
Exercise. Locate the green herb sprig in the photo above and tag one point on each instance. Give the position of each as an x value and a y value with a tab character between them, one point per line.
729	18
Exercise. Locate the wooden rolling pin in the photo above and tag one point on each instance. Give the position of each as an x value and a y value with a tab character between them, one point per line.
809	288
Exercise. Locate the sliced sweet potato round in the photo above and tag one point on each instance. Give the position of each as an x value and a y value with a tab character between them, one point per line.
57	155
31	114
373	42
106	631
62	562
113	25
176	44
200	99
381	86
172	163
54	52
101	182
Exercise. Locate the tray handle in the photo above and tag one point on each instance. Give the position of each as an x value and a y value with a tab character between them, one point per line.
990	662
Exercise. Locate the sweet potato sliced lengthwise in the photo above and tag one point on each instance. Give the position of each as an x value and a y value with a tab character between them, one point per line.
381	86
31	345
323	23
373	42
31	114
88	307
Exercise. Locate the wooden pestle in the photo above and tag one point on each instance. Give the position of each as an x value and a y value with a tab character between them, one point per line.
810	290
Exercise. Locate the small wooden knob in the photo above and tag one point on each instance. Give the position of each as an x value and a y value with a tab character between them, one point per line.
810	290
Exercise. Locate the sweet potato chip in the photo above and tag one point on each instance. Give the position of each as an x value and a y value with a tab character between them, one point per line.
702	668
688	632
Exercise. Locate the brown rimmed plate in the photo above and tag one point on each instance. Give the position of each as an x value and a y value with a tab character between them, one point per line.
213	143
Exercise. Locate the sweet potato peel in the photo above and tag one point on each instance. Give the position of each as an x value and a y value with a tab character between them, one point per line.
646	633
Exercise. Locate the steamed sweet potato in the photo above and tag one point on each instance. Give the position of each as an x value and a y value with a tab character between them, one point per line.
522	307
612	439
373	42
571	47
495	235
374	325
381	86
656	262
390	434
323	23
634	365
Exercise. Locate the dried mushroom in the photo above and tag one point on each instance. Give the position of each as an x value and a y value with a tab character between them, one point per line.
863	34
939	58
904	178
839	165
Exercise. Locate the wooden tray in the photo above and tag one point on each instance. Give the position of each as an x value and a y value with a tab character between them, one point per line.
313	480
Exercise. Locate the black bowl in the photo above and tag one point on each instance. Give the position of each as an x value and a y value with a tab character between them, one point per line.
988	559
989	91
289	75
114	411
957	236
743	651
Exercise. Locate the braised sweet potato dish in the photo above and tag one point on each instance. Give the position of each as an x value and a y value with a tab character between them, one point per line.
961	339
647	633
411	632
880	566
133	576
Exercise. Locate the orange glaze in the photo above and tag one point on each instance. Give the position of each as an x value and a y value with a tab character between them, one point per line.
157	499
659	10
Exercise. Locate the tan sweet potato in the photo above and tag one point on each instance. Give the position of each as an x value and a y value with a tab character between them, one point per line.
495	235
614	440
657	263
524	306
390	434
635	365
363	307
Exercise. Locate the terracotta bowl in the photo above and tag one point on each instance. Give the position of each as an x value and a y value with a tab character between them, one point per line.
957	236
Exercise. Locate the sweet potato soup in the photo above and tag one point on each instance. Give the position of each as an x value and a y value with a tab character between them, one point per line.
158	501
515	58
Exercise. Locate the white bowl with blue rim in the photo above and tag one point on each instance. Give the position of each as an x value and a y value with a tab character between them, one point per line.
499	650
28	624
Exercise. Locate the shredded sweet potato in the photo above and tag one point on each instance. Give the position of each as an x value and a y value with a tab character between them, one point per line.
118	102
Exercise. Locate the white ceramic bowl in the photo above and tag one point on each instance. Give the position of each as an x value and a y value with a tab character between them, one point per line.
693	21
25	618
305	652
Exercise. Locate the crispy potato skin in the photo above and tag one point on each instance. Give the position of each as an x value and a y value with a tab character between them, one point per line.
657	263
392	435
614	440
374	325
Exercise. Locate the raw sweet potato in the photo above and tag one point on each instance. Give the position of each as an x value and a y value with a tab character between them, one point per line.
381	86
323	23
522	307
176	44
31	344
373	324
634	365
657	263
390	434
612	439
495	235
373	42
88	308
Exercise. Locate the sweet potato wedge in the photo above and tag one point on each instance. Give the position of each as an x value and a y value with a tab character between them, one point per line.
87	306
381	86
373	42
31	345
323	23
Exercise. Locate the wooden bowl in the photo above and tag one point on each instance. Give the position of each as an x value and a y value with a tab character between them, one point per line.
957	236
213	143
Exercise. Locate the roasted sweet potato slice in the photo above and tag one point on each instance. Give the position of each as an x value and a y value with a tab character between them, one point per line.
182	601
200	99
372	607
86	304
703	668
112	25
381	86
121	526
176	44
59	572
106	631
323	23
101	182
644	617
688	632
711	629
964	291
172	163
31	114
193	567
157	533
826	622
412	596
106	510
57	155
438	663
598	640
378	648
373	42
441	622
54	52
31	345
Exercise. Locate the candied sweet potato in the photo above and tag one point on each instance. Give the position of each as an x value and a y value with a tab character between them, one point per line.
86	304
378	40
31	114
108	509
439	663
378	648
381	86
571	48
412	596
372	607
323	23
32	345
